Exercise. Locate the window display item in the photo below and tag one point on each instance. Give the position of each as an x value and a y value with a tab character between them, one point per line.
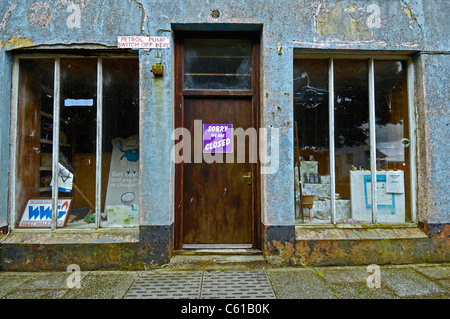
38	213
65	180
308	167
390	206
121	195
121	215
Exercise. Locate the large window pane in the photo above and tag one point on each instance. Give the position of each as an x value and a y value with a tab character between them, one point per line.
352	149
76	131
392	139
311	116
34	138
218	64
357	120
78	110
120	157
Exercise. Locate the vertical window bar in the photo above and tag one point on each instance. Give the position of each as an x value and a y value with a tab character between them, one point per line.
13	136
98	164
412	137
372	144
55	158
331	141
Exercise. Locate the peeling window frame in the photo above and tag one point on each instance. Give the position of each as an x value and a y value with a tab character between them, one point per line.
13	214
410	76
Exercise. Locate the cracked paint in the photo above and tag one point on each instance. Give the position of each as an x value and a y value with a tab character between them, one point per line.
41	14
6	17
339	22
15	43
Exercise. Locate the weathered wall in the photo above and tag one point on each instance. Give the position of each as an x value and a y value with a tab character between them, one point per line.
413	25
434	134
5	84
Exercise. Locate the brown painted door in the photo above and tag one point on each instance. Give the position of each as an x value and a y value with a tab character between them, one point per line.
218	197
217	83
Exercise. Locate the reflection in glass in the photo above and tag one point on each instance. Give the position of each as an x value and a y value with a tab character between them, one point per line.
312	137
392	136
218	64
120	156
78	110
352	150
34	132
353	162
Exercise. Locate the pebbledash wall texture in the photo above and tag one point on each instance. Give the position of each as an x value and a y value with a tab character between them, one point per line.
417	28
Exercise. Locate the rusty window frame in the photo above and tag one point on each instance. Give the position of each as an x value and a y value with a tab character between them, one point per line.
411	116
13	218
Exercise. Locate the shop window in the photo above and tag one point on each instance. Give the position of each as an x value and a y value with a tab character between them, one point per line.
352	127
76	131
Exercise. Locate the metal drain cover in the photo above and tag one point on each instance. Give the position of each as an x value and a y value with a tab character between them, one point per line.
202	285
173	285
236	285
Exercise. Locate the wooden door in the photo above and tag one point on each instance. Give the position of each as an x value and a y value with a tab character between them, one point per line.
216	203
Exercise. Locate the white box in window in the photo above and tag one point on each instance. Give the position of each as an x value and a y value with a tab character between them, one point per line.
390	206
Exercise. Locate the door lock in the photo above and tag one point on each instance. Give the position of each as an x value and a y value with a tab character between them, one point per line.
248	176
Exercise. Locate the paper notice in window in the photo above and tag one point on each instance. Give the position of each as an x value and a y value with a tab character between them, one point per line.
395	182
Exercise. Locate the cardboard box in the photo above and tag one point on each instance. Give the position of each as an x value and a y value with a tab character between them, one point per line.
122	215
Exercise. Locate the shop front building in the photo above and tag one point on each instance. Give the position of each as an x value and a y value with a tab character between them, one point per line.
309	132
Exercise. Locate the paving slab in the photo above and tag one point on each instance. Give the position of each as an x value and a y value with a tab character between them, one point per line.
299	283
361	291
103	285
42	285
434	271
347	274
23	293
445	283
10	281
51	280
407	283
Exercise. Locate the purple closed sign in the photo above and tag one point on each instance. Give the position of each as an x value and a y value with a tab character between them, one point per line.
217	138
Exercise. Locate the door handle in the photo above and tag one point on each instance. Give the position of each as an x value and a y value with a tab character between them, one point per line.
248	176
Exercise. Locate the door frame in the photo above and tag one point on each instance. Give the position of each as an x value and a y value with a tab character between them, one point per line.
180	93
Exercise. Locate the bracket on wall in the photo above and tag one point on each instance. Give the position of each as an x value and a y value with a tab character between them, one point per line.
158	68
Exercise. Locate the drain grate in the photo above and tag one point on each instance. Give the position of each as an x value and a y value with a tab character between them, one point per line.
236	285
204	285
176	285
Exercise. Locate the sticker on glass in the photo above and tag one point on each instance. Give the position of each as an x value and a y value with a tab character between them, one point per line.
217	138
405	142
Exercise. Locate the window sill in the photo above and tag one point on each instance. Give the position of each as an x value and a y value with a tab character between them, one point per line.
356	225
73	236
358	231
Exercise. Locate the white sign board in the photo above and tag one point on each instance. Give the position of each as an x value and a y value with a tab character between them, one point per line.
390	205
130	42
38	212
395	182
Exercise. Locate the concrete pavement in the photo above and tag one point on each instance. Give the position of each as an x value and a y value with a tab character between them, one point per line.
416	281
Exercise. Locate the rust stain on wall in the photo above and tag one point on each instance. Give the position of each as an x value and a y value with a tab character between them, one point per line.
15	43
434	248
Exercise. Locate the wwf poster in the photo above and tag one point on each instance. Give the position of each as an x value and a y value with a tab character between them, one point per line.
38	212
